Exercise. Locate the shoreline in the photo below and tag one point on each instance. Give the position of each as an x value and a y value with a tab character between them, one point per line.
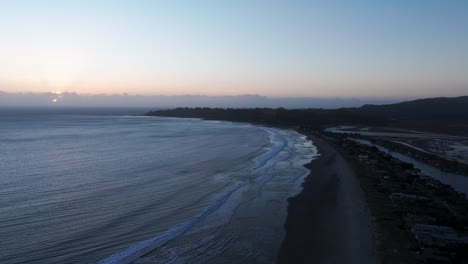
344	214
329	220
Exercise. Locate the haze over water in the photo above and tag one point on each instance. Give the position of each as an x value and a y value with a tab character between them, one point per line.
83	189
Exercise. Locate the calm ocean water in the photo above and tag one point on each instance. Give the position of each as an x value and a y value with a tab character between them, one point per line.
122	189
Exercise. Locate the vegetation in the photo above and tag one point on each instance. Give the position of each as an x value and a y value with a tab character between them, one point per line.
447	115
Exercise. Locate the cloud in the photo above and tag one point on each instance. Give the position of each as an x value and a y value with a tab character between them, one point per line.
67	99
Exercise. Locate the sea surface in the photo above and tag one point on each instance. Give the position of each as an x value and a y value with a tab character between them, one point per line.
89	188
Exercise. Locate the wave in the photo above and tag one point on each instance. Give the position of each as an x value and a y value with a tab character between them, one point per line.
277	145
134	252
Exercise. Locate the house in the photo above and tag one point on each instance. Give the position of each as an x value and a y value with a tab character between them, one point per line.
436	236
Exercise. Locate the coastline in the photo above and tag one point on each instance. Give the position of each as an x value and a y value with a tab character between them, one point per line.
329	220
270	210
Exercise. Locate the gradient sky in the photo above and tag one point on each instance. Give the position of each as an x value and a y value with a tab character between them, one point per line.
398	48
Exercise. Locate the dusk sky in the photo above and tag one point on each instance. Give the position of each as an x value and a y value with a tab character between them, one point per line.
398	48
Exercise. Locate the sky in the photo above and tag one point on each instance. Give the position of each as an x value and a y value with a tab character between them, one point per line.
333	49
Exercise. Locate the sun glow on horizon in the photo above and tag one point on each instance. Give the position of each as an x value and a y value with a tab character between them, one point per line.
57	97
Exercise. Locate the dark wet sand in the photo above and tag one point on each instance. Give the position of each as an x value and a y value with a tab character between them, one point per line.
328	222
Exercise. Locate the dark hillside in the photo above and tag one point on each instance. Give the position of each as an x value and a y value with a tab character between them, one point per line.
443	115
446	115
443	109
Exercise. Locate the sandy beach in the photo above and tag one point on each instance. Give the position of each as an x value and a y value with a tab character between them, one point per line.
328	222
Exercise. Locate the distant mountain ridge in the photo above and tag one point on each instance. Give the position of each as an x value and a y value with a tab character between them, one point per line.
70	99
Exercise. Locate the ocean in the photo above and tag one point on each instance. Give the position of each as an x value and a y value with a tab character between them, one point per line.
84	188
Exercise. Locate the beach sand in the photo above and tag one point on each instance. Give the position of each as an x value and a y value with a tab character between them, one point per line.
329	221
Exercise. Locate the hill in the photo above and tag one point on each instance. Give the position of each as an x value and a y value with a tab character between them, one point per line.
447	115
441	108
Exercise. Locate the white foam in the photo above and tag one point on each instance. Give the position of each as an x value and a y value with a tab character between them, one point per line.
283	150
